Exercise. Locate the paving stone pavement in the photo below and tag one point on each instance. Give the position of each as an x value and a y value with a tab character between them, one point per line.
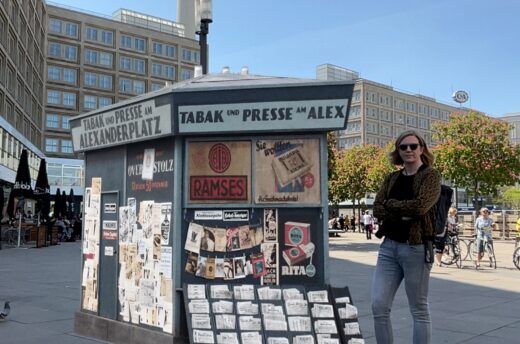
467	306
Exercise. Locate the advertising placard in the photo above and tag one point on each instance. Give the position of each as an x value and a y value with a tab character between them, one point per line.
287	171
219	172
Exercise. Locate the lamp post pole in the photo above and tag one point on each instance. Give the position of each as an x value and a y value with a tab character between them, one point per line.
203	43
203	15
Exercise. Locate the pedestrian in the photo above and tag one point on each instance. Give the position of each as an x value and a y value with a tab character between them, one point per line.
353	223
341	221
368	222
404	207
346	220
451	229
484	226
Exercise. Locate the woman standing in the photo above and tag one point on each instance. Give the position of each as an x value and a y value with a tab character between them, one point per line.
484	226
451	226
405	208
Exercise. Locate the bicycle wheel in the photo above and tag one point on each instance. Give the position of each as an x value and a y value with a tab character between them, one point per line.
491	256
449	255
11	237
516	257
473	250
463	249
458	258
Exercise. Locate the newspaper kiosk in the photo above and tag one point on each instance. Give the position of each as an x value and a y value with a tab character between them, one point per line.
221	179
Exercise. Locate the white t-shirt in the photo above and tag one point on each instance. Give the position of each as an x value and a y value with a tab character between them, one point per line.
368	219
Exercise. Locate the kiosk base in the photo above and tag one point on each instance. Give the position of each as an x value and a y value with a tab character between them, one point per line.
90	325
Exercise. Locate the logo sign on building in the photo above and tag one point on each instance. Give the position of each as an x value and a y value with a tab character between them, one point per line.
460	96
135	122
263	116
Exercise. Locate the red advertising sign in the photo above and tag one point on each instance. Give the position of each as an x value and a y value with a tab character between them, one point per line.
218	188
109	235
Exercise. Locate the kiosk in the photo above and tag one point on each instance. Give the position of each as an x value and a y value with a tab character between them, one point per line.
221	179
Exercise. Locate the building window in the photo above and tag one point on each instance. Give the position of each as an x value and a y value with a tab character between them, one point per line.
69	99
51	145
104	101
105	59
65	124
139	66
156	69
186	55
55	49
92	34
125	85
53	73
169	71
107	37
105	81
157	48
156	87
186	74
126	42
170	51
139	87
140	44
71	53
90	102
69	75
125	63
52	121
53	97
66	146
55	25
90	79
91	56
71	29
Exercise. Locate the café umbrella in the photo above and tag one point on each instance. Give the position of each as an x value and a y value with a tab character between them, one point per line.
57	204
22	185
71	211
42	192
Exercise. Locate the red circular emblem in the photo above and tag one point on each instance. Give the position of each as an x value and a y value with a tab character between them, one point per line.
308	180
219	158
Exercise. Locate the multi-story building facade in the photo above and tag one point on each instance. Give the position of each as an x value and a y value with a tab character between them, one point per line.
379	113
22	59
514	120
94	61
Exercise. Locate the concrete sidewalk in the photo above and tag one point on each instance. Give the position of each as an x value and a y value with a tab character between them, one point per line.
467	305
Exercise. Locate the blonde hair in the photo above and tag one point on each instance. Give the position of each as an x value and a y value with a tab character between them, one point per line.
452	212
426	156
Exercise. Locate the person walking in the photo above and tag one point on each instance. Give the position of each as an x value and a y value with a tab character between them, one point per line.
404	207
484	226
341	221
368	221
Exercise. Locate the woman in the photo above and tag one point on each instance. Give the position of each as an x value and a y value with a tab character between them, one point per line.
484	226
452	229
368	222
405	208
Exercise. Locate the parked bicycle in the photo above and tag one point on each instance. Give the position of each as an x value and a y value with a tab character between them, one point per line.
516	253
11	236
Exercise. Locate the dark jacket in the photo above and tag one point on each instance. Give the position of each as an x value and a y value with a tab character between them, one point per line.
426	189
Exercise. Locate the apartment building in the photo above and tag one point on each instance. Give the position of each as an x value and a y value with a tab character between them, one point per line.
514	120
22	59
379	113
94	61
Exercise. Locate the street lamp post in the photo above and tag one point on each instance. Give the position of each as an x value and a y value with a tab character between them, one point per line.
203	15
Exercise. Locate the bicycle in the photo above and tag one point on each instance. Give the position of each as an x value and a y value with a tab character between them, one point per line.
453	249
516	253
11	236
488	250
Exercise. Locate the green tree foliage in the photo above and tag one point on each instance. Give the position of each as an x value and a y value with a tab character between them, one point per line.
511	197
475	153
380	167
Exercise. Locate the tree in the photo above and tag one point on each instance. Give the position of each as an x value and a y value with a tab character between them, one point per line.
511	197
475	153
380	167
333	156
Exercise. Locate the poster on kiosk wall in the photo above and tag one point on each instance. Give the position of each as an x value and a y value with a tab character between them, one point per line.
287	171
219	172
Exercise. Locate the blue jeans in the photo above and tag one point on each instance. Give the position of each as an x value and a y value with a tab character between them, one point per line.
395	262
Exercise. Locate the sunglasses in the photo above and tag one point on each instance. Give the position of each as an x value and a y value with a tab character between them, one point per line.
412	146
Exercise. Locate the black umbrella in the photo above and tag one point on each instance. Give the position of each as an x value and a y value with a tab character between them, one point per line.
63	204
22	183
42	191
70	207
57	203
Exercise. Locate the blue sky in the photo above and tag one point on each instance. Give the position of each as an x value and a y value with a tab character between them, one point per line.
432	47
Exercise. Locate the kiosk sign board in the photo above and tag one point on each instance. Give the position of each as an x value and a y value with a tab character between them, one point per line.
263	116
134	122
